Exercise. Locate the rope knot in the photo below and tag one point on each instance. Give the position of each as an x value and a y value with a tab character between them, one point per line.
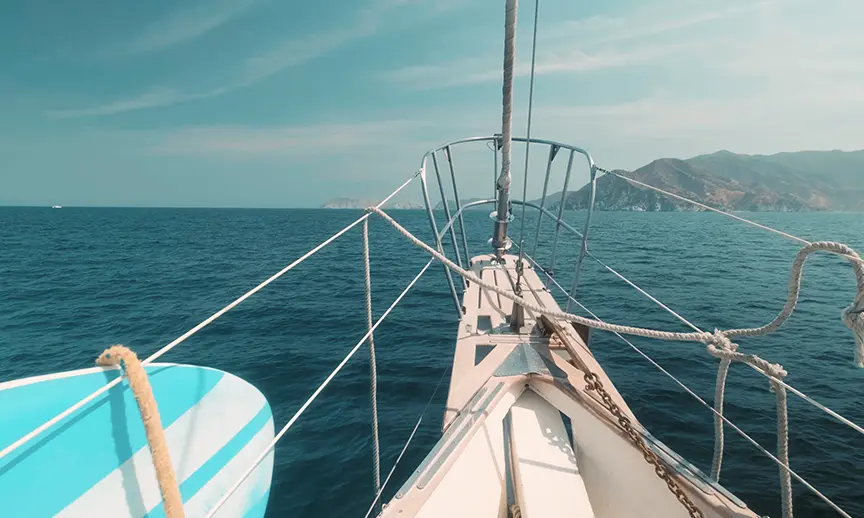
718	341
116	355
853	317
772	369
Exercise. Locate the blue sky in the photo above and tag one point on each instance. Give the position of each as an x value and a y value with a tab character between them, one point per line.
281	103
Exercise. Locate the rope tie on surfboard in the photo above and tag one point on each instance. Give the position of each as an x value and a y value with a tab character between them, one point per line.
143	392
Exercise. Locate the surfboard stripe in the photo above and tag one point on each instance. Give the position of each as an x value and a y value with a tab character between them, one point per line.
251	491
259	508
193	484
55	469
199	479
27	403
203	431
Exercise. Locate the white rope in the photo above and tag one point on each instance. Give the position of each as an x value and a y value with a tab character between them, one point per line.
784	467
783	449
62	415
373	369
596	324
815	403
774	372
721	377
648	295
849	313
718	337
851	316
407	443
719	396
794	290
723	368
719	344
314	395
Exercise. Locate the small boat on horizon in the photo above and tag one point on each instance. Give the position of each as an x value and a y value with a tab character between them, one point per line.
56	206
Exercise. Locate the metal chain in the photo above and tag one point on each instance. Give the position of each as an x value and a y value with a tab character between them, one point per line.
659	468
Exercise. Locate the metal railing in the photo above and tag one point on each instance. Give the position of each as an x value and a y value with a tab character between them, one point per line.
493	142
553	150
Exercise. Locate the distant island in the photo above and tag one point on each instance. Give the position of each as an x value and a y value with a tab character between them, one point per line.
351	203
784	182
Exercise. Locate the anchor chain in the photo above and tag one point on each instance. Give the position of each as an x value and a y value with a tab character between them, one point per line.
596	385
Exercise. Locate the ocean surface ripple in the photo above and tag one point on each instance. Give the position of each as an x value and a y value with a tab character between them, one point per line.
73	281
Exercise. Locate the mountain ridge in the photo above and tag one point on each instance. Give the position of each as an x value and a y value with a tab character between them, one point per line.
784	182
799	181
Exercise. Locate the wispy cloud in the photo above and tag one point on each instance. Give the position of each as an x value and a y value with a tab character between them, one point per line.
297	51
282	55
152	99
472	71
807	115
585	45
183	25
294	141
646	21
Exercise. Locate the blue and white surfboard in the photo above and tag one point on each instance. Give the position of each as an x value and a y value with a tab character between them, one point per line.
95	463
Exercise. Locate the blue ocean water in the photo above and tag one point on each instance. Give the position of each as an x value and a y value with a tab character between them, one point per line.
73	281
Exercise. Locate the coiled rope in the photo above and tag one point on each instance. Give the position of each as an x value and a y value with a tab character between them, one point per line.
853	317
143	392
701	401
717	338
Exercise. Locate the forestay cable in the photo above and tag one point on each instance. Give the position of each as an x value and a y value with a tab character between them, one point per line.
528	128
314	395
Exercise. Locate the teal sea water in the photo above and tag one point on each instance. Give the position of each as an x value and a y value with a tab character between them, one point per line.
75	280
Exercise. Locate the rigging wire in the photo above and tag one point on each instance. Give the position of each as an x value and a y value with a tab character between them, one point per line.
851	424
699	399
314	395
408	442
62	415
719	211
802	395
528	129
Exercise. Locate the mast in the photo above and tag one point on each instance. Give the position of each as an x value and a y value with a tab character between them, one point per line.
500	241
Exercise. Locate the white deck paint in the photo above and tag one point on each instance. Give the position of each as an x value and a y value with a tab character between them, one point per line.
475	483
480	467
544	462
602	475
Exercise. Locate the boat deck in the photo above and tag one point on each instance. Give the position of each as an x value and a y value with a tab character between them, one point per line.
521	431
